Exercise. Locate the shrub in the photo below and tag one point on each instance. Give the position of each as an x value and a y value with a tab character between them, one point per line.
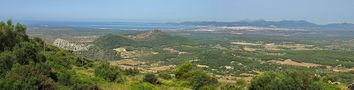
26	52
82	62
131	71
142	86
183	71
229	87
106	71
65	78
197	78
6	61
165	75
28	77
200	79
151	78
85	86
240	85
288	81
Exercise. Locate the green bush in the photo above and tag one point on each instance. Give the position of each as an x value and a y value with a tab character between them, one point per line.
240	85
85	86
151	78
131	71
200	79
142	86
26	52
165	75
106	71
82	62
6	61
65	78
28	77
183	70
291	80
197	78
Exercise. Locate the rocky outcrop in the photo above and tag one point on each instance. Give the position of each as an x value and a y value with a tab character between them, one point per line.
61	43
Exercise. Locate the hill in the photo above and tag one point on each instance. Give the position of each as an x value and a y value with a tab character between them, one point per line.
149	39
104	45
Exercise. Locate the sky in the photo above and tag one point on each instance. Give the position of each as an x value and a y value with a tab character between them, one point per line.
317	11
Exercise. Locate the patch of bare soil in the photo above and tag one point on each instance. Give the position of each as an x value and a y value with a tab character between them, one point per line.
133	54
342	69
245	43
128	64
171	50
226	79
290	62
249	49
275	54
141	66
230	79
308	65
271	47
161	68
297	47
274	47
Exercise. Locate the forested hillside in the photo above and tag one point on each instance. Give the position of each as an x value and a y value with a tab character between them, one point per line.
29	64
104	45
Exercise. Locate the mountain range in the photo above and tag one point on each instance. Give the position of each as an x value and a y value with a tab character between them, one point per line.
300	24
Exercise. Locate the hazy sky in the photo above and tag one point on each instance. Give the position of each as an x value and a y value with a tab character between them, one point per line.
318	11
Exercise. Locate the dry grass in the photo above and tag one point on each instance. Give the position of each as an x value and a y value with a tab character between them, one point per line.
161	68
290	62
249	49
245	43
342	69
271	47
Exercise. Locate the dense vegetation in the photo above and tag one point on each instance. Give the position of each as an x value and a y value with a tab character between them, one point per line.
291	80
31	64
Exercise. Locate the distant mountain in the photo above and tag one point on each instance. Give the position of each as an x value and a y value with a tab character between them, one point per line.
300	24
339	26
261	23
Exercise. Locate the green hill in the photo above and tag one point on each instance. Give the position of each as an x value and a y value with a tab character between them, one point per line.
156	39
150	39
